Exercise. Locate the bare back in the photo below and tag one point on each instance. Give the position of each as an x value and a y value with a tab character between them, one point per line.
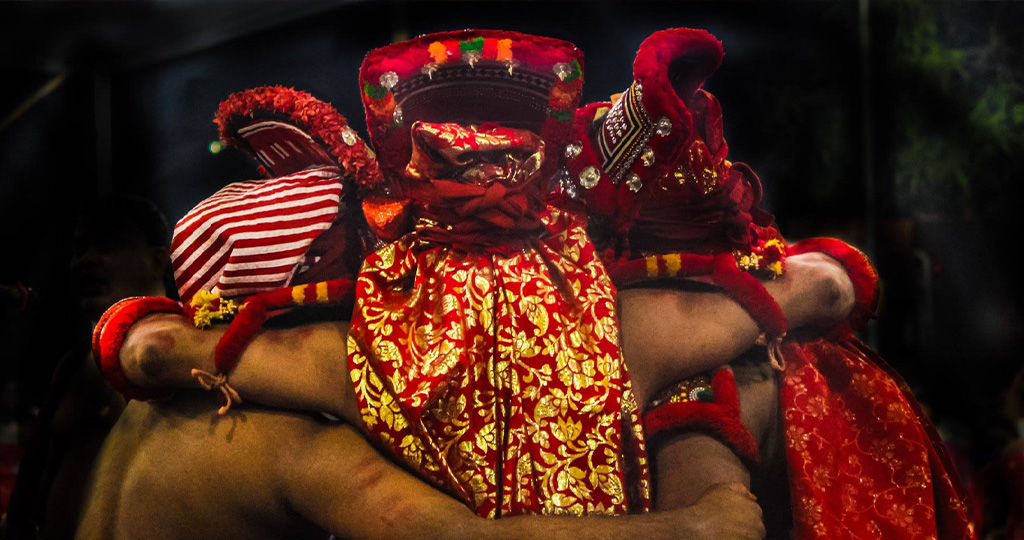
175	470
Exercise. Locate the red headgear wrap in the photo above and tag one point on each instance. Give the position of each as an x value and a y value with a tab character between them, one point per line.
471	78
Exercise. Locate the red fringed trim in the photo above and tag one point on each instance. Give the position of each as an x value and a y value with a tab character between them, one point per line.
719	418
863	274
108	337
319	118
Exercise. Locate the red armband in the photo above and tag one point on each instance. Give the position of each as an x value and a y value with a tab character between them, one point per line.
108	337
703	404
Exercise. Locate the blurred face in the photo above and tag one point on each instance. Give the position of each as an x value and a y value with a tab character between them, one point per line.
111	261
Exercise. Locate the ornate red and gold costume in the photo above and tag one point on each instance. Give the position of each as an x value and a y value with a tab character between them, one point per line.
484	346
863	460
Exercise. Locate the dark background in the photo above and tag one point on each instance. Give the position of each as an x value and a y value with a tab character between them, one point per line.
896	126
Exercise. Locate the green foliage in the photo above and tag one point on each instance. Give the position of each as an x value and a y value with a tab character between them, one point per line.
956	126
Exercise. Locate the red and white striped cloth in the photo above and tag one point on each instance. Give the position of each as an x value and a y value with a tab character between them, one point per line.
252	236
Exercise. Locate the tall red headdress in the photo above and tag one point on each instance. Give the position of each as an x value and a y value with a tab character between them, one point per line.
863	461
469	77
484	346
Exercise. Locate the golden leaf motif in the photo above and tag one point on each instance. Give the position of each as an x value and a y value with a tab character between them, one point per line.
463	332
387	255
539	317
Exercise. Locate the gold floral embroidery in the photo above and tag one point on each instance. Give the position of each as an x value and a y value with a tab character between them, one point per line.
485	379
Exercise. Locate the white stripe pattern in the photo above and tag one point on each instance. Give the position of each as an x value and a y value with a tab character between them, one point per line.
251	236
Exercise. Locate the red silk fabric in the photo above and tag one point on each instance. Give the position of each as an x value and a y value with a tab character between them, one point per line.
484	345
864	461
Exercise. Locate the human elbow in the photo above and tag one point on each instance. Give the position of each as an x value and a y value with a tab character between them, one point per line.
144	353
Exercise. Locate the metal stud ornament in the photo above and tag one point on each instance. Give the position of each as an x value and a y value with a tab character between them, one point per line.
389	80
647	157
573	149
634	182
429	70
589	177
349	136
663	127
562	70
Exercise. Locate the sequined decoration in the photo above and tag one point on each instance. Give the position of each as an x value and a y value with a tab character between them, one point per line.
696	388
634	182
564	181
624	134
698	170
389	80
349	136
589	177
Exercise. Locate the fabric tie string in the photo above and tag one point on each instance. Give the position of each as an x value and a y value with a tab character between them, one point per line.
217	381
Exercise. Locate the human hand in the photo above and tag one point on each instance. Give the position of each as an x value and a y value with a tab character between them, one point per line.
723	512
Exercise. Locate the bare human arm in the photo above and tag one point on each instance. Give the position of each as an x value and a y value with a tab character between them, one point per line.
689	463
667	336
176	470
670	335
302	368
359	494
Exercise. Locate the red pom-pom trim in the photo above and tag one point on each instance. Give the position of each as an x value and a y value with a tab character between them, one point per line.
318	118
750	293
108	337
719	418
